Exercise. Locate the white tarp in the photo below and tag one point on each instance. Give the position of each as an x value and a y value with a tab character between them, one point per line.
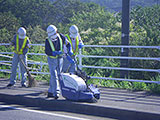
73	81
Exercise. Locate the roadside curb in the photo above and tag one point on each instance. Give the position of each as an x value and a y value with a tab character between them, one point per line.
78	107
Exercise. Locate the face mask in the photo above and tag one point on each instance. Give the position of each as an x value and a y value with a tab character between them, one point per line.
53	36
22	36
72	37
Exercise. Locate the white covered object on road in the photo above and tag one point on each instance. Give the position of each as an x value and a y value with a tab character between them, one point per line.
73	81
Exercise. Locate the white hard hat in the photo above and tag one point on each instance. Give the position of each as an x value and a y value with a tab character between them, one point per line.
22	33
52	31
73	30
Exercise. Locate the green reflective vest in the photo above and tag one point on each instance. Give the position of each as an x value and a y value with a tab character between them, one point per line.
52	46
20	51
75	52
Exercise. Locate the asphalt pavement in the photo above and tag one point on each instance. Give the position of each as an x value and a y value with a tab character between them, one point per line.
114	103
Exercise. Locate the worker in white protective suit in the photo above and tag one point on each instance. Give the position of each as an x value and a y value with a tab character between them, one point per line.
76	44
21	44
54	46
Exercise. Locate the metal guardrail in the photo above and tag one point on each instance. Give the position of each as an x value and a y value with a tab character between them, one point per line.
97	67
122	46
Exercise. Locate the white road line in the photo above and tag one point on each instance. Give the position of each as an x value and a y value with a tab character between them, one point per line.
42	112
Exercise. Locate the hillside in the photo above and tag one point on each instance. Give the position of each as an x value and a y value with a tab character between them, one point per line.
116	5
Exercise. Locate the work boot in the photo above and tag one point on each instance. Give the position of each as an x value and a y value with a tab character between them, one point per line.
10	85
57	96
50	95
23	85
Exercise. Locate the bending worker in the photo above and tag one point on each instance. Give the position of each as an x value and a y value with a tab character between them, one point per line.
54	45
21	45
76	44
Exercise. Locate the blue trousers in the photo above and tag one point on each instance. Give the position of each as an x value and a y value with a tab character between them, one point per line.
67	66
55	70
15	62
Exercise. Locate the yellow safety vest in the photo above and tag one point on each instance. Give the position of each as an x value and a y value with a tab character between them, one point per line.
75	52
20	51
52	46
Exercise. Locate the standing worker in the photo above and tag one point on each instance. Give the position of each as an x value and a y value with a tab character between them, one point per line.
21	45
76	44
54	46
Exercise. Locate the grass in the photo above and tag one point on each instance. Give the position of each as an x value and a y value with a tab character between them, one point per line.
155	88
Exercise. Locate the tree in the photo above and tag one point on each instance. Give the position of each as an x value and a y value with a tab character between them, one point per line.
9	25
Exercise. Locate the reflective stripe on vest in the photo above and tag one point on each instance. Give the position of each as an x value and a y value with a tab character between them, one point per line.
23	45
52	46
75	52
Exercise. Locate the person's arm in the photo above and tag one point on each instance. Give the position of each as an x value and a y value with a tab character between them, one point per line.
66	45
48	50
69	47
28	45
80	42
68	51
64	39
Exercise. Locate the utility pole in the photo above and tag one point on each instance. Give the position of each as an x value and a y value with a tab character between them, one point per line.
157	2
125	36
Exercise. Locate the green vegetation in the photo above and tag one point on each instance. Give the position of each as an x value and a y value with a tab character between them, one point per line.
96	25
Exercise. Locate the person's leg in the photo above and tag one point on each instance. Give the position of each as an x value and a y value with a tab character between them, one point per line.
72	68
52	63
23	70
15	61
66	65
59	70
